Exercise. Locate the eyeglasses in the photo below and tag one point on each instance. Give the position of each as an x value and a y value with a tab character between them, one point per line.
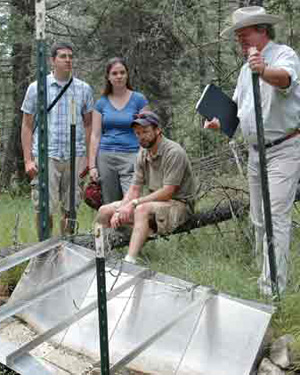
65	56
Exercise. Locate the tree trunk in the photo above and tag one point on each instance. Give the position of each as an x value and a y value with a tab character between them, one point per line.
21	76
202	71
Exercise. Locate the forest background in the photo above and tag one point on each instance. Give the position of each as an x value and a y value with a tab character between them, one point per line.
173	49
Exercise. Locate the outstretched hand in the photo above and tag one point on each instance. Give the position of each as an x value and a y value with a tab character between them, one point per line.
213	124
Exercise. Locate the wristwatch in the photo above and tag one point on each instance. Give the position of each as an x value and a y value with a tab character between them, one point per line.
135	202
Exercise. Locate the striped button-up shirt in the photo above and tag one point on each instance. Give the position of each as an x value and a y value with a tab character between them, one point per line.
60	116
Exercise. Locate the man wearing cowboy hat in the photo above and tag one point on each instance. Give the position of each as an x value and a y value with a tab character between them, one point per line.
278	67
164	169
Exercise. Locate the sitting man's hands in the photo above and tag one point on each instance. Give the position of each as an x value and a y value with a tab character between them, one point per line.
115	220
213	124
123	215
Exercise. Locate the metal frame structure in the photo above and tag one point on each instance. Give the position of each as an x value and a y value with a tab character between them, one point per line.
192	311
16	307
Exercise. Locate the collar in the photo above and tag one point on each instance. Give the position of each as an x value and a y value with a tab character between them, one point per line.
267	47
159	150
54	81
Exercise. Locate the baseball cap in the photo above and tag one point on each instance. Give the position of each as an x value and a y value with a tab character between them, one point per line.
146	119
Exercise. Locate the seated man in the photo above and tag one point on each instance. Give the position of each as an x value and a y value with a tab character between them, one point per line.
165	170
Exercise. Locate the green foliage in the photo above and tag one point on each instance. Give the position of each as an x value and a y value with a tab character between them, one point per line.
287	318
219	257
12	276
17	220
16	23
18	228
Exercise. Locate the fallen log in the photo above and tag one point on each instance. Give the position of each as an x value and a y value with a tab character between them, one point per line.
220	213
235	208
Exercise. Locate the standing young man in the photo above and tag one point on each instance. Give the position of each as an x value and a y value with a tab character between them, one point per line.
165	170
59	121
278	67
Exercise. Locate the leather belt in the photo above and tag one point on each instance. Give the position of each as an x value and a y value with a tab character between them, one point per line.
279	140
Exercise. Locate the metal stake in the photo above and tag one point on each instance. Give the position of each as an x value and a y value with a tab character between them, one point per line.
72	217
102	303
265	183
44	231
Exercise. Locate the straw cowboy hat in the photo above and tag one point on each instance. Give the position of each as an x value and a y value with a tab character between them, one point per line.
249	16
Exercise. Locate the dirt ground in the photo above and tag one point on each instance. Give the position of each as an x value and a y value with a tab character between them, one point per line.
63	361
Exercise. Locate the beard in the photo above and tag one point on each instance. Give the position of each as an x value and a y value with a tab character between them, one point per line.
149	144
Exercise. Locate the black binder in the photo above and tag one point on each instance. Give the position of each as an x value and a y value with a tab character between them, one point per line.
215	103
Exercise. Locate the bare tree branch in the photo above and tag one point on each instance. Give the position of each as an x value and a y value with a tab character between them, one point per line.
59	22
60	3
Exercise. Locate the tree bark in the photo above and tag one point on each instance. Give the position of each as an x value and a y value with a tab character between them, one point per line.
23	11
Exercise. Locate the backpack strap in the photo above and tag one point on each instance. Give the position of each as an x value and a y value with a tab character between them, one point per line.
56	99
62	91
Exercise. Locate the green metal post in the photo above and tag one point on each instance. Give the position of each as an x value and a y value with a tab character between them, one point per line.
265	183
44	230
102	313
102	302
72	215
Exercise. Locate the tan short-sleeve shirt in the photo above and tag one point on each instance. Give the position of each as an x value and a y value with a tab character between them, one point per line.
170	166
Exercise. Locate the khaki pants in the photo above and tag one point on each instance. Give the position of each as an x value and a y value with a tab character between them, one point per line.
170	215
166	216
59	185
283	166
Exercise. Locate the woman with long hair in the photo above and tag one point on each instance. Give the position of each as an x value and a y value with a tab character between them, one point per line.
113	145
